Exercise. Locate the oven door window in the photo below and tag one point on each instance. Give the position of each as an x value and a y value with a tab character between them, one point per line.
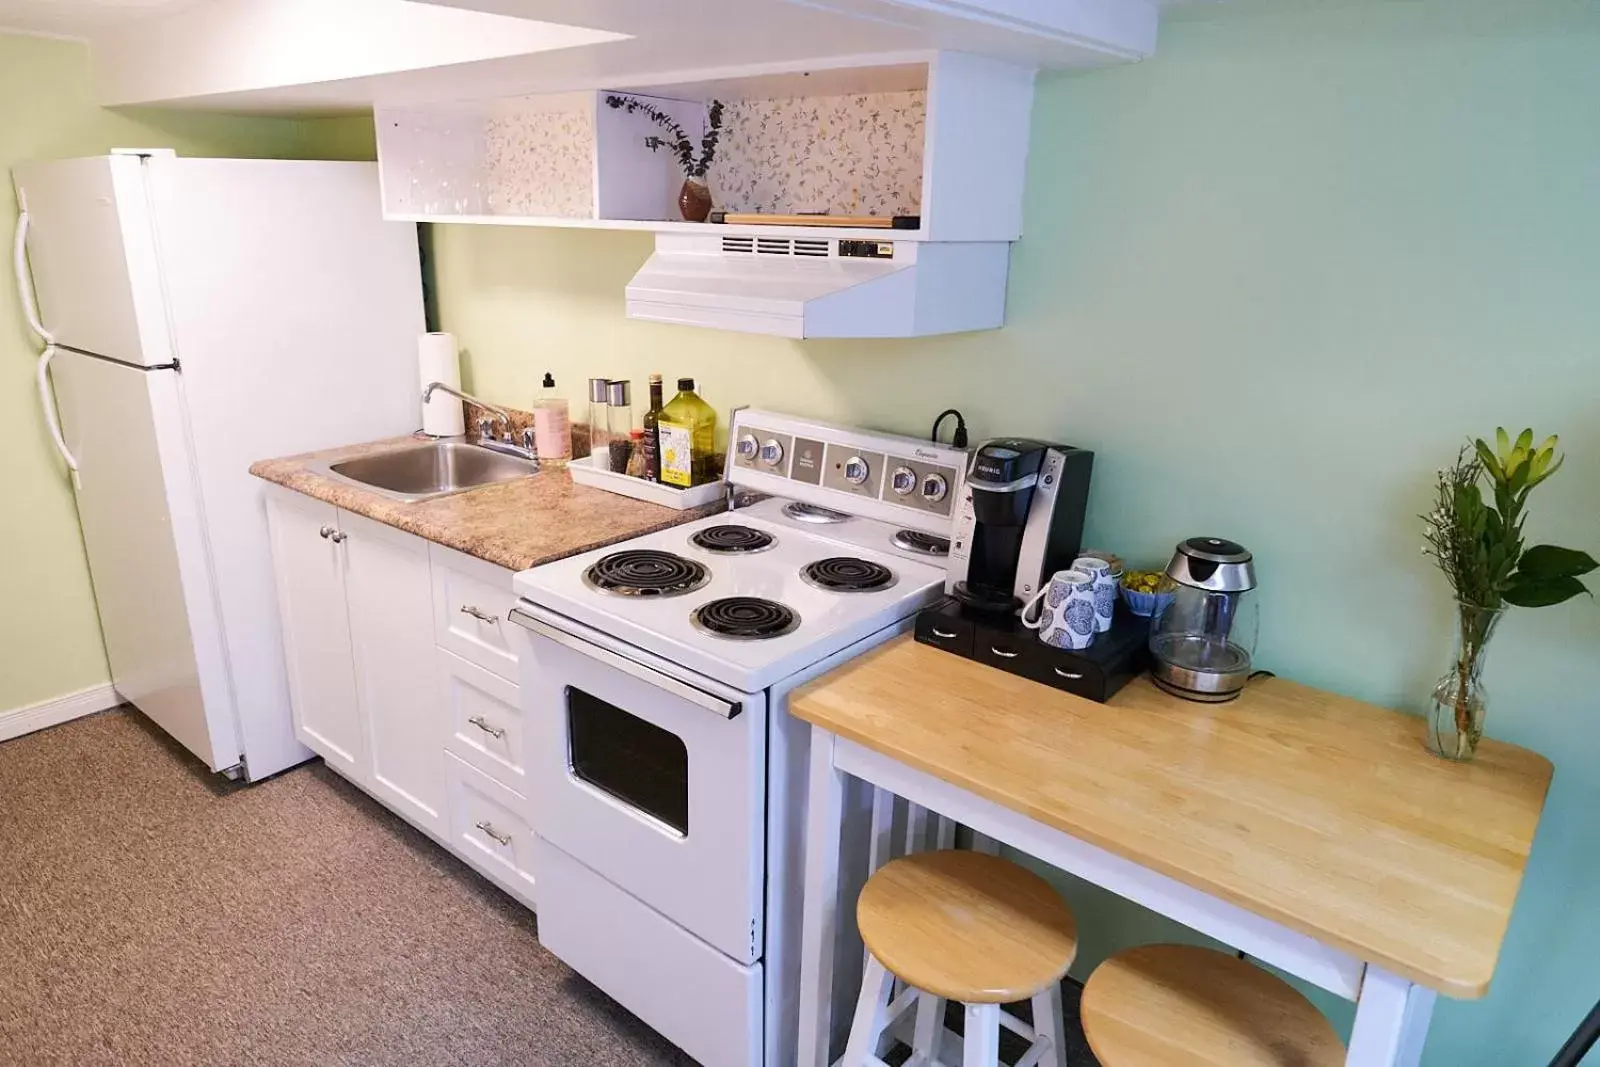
636	762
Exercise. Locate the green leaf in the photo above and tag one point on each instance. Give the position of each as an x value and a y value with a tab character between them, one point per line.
1527	592
1524	440
1502	441
1487	458
1552	561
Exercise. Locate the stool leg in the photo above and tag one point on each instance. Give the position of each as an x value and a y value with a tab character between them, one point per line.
1049	1024
871	1011
981	1046
929	1031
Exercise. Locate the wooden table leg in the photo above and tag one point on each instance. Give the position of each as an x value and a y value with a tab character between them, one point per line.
1391	1024
820	911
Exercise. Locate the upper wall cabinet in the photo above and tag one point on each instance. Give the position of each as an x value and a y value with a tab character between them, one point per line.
939	144
876	201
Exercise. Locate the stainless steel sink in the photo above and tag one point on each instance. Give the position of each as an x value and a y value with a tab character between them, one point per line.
429	469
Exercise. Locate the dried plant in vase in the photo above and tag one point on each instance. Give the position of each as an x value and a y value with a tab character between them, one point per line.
1479	547
694	199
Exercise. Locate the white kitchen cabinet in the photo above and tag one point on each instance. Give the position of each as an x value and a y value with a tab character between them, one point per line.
389	593
400	677
310	568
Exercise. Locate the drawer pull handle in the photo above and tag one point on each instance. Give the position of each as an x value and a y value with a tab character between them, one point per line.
488	828
941	634
1003	654
1071	676
480	614
492	731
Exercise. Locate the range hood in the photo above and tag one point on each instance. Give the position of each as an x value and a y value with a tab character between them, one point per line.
822	285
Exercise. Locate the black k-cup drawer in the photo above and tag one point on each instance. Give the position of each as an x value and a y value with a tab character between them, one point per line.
943	626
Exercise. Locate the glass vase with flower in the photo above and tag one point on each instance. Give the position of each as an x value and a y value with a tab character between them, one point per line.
1478	544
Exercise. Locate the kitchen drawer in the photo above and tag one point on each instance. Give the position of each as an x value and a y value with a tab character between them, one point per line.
693	995
486	724
943	626
487	828
470	602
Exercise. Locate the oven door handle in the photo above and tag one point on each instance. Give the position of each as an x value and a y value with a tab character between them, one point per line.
728	709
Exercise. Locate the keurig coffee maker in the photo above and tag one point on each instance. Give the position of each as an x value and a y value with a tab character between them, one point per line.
1020	520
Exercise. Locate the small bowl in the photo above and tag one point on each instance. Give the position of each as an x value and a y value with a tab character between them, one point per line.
1147	605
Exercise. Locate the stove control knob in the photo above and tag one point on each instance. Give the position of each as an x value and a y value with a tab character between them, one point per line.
934	488
771	452
856	470
903	481
747	446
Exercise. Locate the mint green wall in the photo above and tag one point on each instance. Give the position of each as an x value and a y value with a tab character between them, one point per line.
1272	276
49	632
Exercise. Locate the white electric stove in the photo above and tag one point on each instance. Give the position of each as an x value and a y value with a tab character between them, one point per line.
666	776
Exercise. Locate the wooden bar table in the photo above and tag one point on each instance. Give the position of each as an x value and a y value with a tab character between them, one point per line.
1310	831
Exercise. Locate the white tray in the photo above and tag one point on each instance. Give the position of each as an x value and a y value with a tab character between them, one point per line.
591	471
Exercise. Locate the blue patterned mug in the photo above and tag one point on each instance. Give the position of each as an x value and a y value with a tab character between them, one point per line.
1107	582
1066	615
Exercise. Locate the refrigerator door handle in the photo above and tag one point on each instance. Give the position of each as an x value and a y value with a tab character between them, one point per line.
30	312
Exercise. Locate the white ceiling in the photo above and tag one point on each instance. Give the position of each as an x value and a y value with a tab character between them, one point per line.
79	18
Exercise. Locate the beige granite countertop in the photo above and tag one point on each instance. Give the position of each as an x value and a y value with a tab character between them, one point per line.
517	524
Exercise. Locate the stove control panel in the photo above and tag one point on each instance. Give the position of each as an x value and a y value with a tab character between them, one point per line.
877	475
763	450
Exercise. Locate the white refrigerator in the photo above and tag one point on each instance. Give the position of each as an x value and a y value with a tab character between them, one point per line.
198	315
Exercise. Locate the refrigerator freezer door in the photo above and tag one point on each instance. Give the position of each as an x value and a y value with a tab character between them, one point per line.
295	313
147	553
92	254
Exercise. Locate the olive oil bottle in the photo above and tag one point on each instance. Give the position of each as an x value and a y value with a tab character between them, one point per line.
687	437
652	424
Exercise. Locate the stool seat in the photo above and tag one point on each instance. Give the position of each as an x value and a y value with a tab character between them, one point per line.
967	926
1182	1006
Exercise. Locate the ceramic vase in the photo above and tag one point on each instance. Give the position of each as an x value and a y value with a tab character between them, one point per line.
694	200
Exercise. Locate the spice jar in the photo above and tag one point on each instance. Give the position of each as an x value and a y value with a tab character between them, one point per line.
619	423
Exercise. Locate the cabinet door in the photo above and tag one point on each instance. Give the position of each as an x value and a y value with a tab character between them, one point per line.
390	596
316	630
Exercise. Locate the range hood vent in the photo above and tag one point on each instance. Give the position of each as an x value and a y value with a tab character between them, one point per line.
822	287
779	246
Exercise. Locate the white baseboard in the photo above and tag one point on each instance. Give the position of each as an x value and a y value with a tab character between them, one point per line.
25	720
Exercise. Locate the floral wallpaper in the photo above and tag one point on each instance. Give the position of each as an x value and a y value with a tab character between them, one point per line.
846	155
540	163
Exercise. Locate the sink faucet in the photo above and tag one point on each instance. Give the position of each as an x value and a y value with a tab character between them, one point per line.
486	438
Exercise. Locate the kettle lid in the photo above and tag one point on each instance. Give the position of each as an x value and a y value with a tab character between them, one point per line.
1215	550
1213	563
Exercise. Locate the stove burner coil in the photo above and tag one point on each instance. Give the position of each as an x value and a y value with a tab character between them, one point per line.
813	513
745	618
731	539
917	541
646	573
846	574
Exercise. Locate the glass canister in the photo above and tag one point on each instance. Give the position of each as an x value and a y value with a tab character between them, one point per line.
1202	642
619	424
598	435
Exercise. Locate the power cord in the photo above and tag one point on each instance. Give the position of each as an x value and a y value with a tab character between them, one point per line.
959	440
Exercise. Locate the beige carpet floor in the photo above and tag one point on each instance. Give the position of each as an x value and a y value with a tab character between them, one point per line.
152	913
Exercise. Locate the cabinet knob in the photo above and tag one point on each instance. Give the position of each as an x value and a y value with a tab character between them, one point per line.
326	532
481	723
488	828
338	537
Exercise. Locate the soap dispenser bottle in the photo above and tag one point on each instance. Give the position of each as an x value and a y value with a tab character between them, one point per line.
552	428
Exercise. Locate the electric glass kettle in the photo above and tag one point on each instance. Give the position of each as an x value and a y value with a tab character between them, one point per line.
1202	641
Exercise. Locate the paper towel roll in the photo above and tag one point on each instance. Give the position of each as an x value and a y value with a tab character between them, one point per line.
437	361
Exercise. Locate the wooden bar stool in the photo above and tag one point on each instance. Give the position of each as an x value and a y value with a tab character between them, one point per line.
967	927
1171	1005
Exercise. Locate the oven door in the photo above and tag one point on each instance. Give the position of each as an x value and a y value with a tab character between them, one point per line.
650	775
